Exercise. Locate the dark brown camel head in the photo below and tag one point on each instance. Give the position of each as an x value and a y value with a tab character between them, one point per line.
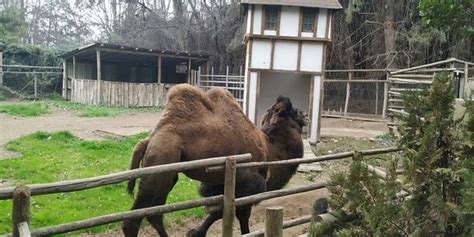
282	114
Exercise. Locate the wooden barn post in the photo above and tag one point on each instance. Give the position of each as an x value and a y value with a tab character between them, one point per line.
64	79
99	76
189	71
1	69
159	69
21	209
348	93
35	85
229	198
274	222
73	81
385	95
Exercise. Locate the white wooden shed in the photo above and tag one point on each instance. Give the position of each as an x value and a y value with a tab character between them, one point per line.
286	44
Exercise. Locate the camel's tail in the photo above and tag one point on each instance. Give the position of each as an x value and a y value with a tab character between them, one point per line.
137	156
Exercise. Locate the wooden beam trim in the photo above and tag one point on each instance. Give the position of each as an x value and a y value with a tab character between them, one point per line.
300	23
298	64
262	28
278	20
272	56
252	16
316	16
327	23
291	38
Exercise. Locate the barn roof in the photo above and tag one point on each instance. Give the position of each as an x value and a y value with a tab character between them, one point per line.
134	50
329	4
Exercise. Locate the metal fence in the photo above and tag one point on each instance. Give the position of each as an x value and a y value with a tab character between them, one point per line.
233	83
30	82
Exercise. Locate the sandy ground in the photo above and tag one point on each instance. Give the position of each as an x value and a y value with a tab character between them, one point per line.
132	123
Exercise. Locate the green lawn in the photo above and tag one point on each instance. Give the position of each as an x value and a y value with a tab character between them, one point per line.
50	157
24	110
2	96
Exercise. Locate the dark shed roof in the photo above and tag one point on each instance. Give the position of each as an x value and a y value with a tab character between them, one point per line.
329	4
132	50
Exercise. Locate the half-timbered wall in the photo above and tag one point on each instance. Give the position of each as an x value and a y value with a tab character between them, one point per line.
286	58
288	23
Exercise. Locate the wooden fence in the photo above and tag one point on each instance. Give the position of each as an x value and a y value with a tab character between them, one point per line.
415	78
351	79
21	195
122	94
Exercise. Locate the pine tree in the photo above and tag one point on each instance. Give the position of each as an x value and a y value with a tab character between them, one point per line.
433	159
437	160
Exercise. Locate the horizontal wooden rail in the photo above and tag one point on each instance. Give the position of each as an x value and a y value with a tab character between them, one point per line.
359	70
354	81
11	72
202	75
307	160
138	213
278	193
286	225
88	183
32	67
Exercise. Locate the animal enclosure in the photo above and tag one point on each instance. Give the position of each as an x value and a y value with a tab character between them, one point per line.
115	75
214	164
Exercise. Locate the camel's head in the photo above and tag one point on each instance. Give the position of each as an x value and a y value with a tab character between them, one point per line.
282	113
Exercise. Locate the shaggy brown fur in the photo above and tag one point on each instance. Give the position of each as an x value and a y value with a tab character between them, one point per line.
198	125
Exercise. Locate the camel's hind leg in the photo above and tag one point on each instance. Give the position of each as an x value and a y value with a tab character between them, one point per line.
160	199
153	190
131	227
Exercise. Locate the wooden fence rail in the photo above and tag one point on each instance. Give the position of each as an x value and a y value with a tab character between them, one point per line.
228	202
308	160
88	183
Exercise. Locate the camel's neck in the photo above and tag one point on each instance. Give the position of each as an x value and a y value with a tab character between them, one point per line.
283	145
287	142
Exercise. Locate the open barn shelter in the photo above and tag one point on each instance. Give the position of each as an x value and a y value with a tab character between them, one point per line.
286	49
129	76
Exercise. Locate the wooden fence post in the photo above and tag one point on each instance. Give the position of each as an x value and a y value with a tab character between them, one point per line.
65	79
465	82
227	78
199	77
376	98
1	69
385	95
21	209
274	222
229	198
348	93
35	83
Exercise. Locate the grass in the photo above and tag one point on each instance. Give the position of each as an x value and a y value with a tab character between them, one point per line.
24	110
50	157
2	96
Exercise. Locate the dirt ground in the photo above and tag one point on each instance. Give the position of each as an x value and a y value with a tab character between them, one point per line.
132	123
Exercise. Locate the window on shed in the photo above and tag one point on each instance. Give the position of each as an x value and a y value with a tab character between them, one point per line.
271	15
309	15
